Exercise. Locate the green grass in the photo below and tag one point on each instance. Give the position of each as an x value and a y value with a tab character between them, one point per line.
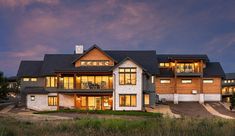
119	127
107	112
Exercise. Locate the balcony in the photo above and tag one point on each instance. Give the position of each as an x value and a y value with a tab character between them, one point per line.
188	69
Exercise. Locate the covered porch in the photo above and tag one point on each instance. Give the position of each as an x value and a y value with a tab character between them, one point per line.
85	101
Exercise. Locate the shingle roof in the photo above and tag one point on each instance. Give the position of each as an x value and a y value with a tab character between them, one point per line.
29	68
230	76
165	72
213	69
146	59
54	62
35	90
168	57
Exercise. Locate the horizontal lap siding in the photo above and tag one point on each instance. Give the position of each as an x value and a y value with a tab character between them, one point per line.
212	88
165	88
187	88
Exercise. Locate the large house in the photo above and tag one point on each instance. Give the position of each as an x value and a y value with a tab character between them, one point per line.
228	86
97	79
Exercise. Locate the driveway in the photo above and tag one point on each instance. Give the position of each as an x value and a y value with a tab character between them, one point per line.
221	109
190	109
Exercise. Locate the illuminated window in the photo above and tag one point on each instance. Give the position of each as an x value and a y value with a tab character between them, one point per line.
232	81
51	81
186	81
152	79
208	81
225	81
164	65
52	100
34	79
127	76
95	63
146	99
25	79
127	100
32	98
165	81
68	83
229	81
83	101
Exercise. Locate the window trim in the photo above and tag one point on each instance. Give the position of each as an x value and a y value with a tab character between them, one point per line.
55	103
125	100
186	80
124	73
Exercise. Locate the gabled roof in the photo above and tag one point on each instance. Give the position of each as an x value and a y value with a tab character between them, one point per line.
213	69
169	57
29	68
146	59
90	49
230	76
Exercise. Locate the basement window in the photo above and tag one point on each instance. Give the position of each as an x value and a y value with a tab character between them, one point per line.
32	98
186	81
52	100
208	81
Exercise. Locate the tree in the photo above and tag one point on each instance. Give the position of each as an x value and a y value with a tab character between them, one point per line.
232	100
3	86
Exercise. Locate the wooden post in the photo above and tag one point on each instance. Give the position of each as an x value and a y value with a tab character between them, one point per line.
201	70
58	80
175	77
74	81
74	96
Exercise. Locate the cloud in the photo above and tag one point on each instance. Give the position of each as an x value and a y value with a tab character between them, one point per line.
23	3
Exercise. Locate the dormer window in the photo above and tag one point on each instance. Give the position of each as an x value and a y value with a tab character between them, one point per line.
95	63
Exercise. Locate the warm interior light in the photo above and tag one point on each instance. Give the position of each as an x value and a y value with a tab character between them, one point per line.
196	64
172	64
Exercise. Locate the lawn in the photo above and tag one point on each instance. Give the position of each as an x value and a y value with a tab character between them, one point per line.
107	112
118	127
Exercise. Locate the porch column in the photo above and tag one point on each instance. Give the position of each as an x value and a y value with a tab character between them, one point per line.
74	97
201	94
58	101
175	97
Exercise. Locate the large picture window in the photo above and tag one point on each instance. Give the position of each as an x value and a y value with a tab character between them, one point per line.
52	101
51	81
127	100
127	76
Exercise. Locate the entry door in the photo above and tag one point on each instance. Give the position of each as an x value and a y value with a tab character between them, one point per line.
98	103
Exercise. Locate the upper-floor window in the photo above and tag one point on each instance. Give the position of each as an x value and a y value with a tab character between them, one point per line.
26	79
95	62
208	81
51	81
127	76
164	65
68	82
186	81
187	67
34	79
165	81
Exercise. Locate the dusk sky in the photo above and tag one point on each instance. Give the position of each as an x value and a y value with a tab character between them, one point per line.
31	28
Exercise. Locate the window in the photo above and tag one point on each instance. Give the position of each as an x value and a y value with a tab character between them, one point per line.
187	68
152	79
34	79
127	76
95	63
146	99
164	65
51	81
208	81
186	81
32	98
96	82
225	81
165	81
68	83
52	100
127	100
26	79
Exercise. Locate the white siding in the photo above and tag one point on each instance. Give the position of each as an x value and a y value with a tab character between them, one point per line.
66	101
128	89
40	103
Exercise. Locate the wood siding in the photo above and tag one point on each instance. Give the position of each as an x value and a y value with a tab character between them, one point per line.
94	54
169	88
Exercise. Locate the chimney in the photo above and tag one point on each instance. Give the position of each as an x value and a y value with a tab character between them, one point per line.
79	49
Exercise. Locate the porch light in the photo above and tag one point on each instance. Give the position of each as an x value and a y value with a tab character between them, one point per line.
196	64
172	64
